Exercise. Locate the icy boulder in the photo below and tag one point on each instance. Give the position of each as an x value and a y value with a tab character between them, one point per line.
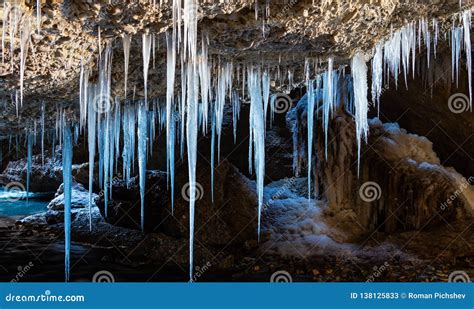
401	184
79	198
44	177
230	217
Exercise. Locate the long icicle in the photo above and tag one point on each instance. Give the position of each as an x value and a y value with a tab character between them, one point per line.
142	151
192	80
42	131
311	103
29	163
466	17
67	188
24	43
126	40
359	74
146	48
92	124
257	126
170	76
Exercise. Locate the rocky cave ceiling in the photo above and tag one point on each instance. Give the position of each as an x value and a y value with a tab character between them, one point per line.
277	33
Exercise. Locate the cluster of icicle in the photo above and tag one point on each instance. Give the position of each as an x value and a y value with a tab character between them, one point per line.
115	130
17	25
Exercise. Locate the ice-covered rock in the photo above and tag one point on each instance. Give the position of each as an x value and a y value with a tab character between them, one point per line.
79	198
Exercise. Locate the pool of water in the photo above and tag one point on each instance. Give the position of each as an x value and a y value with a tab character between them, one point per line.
15	203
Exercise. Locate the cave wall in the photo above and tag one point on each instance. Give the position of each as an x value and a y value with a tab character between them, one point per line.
424	109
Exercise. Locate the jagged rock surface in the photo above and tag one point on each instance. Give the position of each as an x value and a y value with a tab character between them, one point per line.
408	187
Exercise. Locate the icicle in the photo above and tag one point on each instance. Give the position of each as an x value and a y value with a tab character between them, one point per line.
266	93
213	147
436	35
310	115
408	47
377	75
426	38
257	128
359	74
83	86
456	51
235	113
190	16
67	189
146	47
99	43
192	75
117	117
142	151
170	77
172	140
42	131
107	157
191	137
38	15
328	100
466	17
392	54
28	165
92	123
223	85
126	40
205	78
24	43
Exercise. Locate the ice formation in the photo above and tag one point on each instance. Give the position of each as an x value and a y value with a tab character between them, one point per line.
206	86
67	180
359	74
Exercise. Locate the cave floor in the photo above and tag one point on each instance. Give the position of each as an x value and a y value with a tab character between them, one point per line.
425	255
